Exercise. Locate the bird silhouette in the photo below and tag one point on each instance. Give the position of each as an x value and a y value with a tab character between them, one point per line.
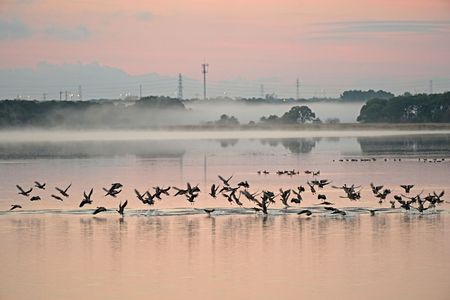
311	187
57	197
15	206
140	196
209	211
338	211
64	191
35	198
122	207
285	197
372	212
99	210
23	192
225	181
161	191
376	189
244	184
213	191
87	198
114	190
305	211
39	185
407	187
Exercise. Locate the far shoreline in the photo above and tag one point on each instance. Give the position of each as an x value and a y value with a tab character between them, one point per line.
204	132
246	127
312	126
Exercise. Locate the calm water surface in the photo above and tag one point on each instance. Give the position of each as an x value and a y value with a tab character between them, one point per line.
53	250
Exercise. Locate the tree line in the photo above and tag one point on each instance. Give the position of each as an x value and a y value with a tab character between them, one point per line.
422	108
358	95
22	113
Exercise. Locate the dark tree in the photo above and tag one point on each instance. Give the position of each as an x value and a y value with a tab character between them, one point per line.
298	114
420	108
227	120
358	95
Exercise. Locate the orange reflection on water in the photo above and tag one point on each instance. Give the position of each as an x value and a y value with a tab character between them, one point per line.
390	256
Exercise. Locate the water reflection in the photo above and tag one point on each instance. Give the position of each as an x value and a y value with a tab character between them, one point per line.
142	257
228	142
177	149
405	144
300	145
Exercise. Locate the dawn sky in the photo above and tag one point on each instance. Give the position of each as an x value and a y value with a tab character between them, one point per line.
336	44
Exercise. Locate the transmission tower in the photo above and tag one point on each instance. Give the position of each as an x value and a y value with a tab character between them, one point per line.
180	87
261	90
431	87
297	85
204	71
80	95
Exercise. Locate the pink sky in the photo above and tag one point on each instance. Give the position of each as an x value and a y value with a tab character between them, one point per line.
318	40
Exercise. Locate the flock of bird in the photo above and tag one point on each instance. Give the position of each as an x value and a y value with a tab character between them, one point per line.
373	159
260	200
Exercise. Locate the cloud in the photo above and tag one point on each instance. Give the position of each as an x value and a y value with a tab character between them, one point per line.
412	26
144	16
14	29
64	33
24	1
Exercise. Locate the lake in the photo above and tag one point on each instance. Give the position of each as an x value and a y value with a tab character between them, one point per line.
55	250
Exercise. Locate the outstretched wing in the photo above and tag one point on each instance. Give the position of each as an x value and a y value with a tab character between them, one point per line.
67	188
20	188
124	205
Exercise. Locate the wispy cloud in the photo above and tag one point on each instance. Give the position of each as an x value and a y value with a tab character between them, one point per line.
65	33
412	26
144	16
25	1
14	29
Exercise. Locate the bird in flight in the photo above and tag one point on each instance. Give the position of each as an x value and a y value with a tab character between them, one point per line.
122	207
305	211
56	197
64	192
209	211
99	210
407	187
213	191
226	182
87	198
23	192
39	185
15	206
